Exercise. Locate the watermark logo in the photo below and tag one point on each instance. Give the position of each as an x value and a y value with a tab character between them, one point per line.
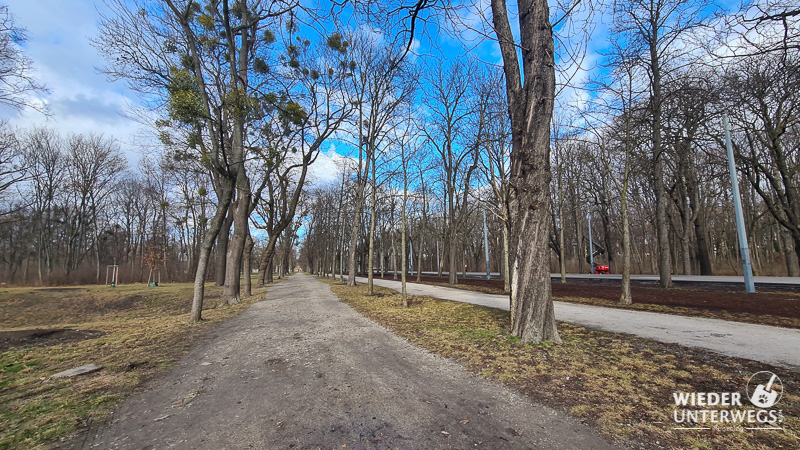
725	411
764	389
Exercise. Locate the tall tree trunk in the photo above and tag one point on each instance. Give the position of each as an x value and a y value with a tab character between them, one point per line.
792	255
439	261
262	268
453	259
576	217
625	297
226	194
506	273
703	256
222	245
233	267
686	255
530	105
271	268
247	289
39	264
662	225
394	256
373	211
464	272
612	265
96	248
403	292
340	226
562	252
419	258
341	253
351	262
25	264
403	268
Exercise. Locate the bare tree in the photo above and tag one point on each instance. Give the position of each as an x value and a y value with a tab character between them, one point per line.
12	164
656	33
379	87
92	168
615	128
450	102
759	27
531	91
207	65
762	94
44	153
18	86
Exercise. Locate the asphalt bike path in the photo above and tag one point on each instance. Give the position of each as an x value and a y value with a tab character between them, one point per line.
760	282
773	345
303	370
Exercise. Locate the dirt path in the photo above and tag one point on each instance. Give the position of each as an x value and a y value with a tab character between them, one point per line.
773	345
302	370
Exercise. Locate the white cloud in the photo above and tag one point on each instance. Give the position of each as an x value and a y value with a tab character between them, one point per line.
328	167
81	99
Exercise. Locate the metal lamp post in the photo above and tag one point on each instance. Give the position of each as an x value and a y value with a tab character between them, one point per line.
486	245
747	268
591	244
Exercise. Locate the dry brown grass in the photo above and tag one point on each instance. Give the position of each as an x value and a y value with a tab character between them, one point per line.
620	384
146	331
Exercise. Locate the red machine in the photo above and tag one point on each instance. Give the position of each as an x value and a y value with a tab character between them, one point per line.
598	250
601	268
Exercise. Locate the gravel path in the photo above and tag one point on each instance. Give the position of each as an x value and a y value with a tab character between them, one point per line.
302	370
768	344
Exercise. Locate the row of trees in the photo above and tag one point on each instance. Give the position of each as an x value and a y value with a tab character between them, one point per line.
644	157
243	94
223	85
247	93
591	171
74	206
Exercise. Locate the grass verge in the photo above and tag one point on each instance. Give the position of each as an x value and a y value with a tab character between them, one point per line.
142	332
622	385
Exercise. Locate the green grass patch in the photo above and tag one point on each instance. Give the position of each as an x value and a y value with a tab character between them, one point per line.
621	385
144	331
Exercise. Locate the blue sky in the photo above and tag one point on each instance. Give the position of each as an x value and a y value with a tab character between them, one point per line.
82	100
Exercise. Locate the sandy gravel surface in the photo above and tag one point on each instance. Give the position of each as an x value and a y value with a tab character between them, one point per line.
302	370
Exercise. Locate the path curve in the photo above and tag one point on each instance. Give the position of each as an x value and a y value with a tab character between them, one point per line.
773	345
303	370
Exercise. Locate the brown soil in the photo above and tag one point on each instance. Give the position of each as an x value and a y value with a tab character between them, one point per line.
125	303
706	297
700	296
41	337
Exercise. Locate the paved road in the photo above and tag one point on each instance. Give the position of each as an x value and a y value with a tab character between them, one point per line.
773	345
303	370
787	281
